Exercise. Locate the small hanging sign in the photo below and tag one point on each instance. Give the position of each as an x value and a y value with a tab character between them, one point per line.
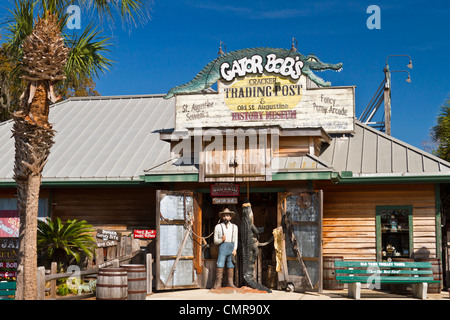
225	200
225	190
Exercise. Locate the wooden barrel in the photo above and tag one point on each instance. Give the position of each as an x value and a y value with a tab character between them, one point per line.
137	281
329	273
436	267
112	284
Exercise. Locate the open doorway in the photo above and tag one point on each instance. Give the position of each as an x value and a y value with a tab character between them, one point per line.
264	207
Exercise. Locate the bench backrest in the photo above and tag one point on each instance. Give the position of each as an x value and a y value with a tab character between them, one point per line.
374	264
388	272
7	289
383	268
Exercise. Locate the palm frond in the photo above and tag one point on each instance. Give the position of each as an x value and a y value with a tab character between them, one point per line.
441	132
87	55
19	25
130	11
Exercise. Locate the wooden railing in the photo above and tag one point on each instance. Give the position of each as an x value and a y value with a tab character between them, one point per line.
113	249
43	278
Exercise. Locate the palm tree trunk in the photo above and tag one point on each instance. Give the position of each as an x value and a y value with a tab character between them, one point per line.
32	144
27	257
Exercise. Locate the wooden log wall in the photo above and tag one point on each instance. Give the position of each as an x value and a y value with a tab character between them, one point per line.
112	208
349	227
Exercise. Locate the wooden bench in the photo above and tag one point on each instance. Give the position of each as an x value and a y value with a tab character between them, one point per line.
7	289
356	272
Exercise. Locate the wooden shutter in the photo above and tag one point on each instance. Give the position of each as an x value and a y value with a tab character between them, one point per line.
174	245
304	210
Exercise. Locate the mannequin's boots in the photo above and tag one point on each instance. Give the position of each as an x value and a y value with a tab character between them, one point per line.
230	273
219	275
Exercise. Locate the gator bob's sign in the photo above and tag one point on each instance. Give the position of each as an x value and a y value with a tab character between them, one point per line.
287	67
263	87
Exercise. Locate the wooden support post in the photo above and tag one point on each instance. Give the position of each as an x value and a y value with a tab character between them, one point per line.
248	191
99	257
40	283
149	264
284	274
53	270
197	228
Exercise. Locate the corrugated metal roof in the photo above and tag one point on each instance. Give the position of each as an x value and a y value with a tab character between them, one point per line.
100	138
370	152
176	165
308	162
117	138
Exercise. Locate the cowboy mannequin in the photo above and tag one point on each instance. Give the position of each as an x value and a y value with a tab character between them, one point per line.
226	237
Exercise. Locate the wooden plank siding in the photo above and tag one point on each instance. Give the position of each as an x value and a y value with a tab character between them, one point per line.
349	227
12	193
292	147
114	207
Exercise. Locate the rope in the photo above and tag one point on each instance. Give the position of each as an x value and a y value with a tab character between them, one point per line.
200	237
187	225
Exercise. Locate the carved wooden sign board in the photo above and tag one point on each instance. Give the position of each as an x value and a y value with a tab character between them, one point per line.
258	98
107	238
224	190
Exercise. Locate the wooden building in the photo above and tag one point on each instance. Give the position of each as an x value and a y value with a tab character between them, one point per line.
288	144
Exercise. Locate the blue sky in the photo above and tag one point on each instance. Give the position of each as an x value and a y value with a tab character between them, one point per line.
182	36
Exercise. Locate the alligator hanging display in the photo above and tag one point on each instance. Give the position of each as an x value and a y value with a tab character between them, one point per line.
249	243
286	62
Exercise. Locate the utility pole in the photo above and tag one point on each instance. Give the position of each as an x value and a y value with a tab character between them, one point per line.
387	90
387	100
383	94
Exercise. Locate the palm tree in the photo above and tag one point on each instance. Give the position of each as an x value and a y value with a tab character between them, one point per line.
44	57
441	132
65	242
45	60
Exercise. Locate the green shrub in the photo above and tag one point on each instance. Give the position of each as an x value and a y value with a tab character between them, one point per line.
66	242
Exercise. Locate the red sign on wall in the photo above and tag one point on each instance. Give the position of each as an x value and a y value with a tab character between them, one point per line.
144	234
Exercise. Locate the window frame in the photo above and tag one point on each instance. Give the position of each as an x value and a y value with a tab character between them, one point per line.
378	210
